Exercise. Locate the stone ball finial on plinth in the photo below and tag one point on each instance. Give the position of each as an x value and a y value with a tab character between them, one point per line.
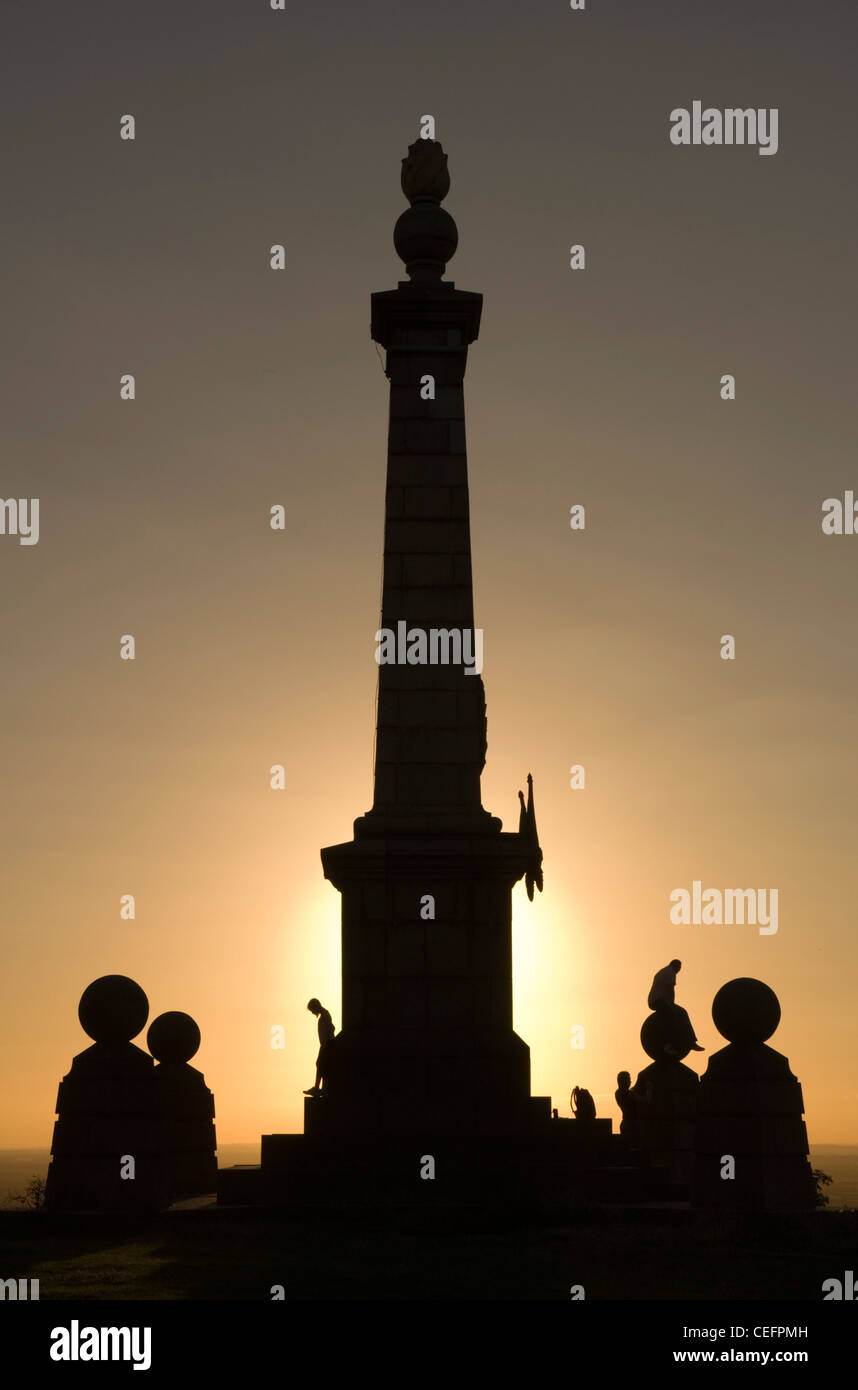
751	1107
113	1009
746	1011
425	235
173	1037
665	1095
185	1107
105	1109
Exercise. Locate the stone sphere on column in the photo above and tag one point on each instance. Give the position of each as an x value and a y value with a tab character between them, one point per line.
746	1011
113	1009
425	237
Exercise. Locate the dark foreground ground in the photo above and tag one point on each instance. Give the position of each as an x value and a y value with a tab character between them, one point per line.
210	1253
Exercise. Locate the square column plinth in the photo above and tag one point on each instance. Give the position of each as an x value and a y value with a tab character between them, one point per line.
427	1042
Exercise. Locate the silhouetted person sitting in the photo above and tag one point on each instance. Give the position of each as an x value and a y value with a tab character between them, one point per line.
583	1104
660	999
627	1102
326	1033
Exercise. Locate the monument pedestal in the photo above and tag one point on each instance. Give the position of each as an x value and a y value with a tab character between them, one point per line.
751	1138
105	1152
559	1164
667	1095
750	1107
106	1117
185	1117
427	1044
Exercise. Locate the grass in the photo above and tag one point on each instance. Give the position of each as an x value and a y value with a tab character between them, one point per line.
238	1254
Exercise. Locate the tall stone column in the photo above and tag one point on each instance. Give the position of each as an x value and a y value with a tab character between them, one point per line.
427	1042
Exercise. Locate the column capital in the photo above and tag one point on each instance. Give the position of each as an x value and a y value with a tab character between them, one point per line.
402	316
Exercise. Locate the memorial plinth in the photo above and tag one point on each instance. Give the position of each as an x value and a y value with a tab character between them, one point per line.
666	1096
750	1112
105	1153
184	1108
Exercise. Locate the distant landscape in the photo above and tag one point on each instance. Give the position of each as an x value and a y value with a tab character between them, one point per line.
840	1161
19	1165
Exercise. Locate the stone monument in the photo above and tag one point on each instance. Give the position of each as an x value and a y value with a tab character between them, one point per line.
104	1150
427	1060
427	1088
751	1146
427	1041
184	1108
666	1095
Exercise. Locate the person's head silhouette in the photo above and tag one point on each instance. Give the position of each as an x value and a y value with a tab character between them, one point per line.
314	1006
676	965
624	1080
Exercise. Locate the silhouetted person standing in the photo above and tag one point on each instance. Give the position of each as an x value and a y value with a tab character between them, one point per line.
326	1034
628	1103
661	1000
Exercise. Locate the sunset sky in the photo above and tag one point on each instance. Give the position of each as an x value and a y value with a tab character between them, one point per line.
254	387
